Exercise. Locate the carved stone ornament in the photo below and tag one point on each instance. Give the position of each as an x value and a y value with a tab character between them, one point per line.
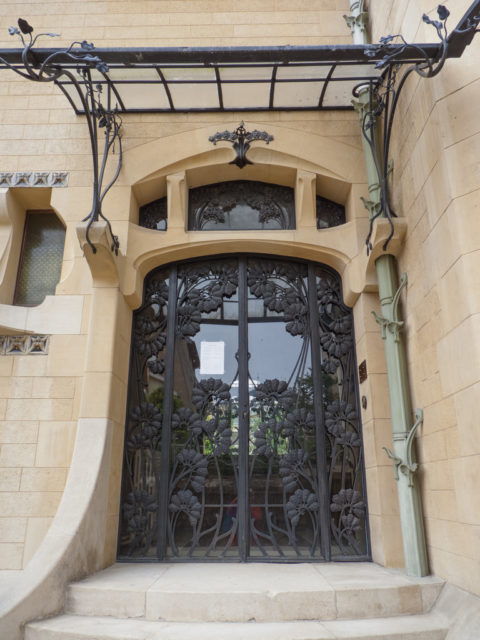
23	345
33	179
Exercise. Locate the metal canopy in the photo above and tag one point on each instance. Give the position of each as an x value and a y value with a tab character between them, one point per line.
159	80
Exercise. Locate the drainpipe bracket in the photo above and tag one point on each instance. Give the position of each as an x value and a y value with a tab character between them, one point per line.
393	326
358	21
408	467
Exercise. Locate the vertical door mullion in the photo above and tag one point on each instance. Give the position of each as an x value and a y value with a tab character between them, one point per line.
243	413
162	490
319	416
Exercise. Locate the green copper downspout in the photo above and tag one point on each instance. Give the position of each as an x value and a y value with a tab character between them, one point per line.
404	425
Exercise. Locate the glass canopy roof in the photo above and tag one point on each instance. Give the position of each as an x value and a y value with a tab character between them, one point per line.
226	79
152	80
189	87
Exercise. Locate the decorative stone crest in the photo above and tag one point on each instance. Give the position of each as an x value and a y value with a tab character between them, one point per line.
33	179
23	345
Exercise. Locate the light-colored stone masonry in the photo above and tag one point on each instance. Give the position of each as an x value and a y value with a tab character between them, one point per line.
437	187
40	396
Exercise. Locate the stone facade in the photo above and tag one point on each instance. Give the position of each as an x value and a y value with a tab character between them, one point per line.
75	395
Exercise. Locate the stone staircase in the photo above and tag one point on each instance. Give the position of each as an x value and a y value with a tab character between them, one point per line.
360	601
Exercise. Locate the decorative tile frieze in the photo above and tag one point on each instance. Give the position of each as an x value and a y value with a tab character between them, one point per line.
33	178
23	345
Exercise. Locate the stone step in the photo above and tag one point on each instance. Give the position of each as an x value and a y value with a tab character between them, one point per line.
251	592
70	627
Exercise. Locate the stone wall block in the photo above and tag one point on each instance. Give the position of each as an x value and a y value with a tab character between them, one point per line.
55	444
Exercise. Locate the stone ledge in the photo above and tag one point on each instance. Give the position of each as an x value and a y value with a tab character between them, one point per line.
241	592
425	627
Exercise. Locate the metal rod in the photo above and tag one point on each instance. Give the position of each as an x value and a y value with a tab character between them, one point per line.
319	417
243	417
167	414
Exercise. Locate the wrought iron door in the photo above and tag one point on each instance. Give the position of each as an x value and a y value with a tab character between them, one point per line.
243	439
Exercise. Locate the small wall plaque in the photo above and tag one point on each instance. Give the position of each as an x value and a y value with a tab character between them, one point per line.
362	371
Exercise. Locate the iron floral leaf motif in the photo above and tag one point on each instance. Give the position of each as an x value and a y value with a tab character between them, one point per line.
241	139
328	291
157	292
137	507
296	317
186	419
280	287
274	392
150	324
226	205
210	393
146	423
341	420
292	468
329	213
203	290
301	502
219	435
195	465
267	437
349	505
154	215
186	502
188	320
336	344
298	420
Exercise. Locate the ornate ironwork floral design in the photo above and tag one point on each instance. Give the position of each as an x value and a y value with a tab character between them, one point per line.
241	139
210	393
139	508
329	214
187	433
188	320
186	419
349	511
241	205
146	423
301	502
298	421
187	503
154	215
292	467
283	290
99	117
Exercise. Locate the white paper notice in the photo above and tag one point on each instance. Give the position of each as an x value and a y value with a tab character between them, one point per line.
212	358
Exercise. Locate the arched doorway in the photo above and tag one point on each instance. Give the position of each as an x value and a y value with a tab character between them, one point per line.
243	439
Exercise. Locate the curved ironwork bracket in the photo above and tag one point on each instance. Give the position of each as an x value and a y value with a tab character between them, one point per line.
98	116
408	467
393	324
241	139
384	95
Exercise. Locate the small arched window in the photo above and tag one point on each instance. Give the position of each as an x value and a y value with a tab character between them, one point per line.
241	205
329	213
41	258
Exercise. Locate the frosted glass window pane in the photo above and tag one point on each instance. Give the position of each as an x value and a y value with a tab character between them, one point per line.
41	259
297	94
246	96
194	96
142	96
